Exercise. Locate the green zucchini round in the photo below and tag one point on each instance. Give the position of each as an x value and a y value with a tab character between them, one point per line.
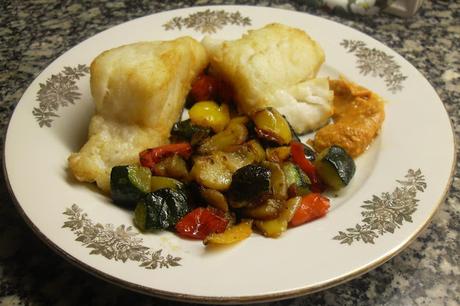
335	167
160	182
297	181
161	209
129	183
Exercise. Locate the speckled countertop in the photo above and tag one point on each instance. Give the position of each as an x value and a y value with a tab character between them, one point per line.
33	33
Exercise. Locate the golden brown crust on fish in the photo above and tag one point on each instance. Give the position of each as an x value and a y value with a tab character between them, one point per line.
273	67
139	91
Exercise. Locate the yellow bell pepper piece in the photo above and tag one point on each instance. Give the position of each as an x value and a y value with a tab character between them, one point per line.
271	125
232	234
210	114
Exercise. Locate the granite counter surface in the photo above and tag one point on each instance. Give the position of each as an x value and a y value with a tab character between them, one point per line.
34	33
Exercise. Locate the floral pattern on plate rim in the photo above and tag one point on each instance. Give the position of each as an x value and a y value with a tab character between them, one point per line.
376	63
59	90
207	21
386	213
118	243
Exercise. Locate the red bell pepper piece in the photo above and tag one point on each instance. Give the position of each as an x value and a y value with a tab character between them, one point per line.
150	157
307	166
313	206
206	87
201	222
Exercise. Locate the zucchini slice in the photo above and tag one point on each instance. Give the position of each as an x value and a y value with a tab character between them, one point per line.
335	167
129	183
186	130
310	154
235	133
297	181
277	180
270	209
161	209
214	198
275	227
160	182
278	154
172	166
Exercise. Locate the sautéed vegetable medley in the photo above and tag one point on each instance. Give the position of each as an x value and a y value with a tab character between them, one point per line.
224	175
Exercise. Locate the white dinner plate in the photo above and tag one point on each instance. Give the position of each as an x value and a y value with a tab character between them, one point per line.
400	181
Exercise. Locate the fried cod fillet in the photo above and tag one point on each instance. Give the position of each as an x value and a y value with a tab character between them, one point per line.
139	91
275	66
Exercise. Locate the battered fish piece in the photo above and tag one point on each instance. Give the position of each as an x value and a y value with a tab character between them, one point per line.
358	118
139	91
274	67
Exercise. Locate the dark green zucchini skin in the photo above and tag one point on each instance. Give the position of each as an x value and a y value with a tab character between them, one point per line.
310	154
297	181
295	136
249	182
161	209
128	184
341	167
187	131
